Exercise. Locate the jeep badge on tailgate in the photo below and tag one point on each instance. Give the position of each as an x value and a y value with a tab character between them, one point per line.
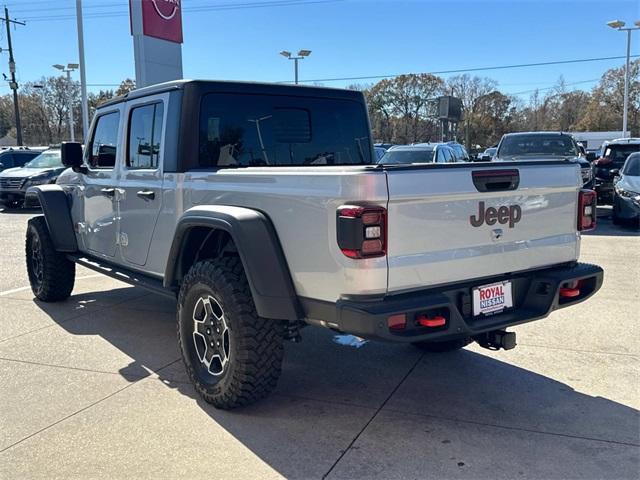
511	215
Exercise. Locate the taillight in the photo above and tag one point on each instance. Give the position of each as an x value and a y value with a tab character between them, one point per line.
586	210
362	231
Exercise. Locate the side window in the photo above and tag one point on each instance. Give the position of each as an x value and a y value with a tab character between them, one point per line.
145	129
104	143
7	160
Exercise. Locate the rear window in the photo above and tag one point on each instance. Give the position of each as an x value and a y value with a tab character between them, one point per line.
407	156
253	130
534	145
619	153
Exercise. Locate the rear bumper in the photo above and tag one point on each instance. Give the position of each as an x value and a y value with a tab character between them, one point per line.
535	295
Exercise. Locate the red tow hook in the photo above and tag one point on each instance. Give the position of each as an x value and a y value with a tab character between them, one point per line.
437	321
569	292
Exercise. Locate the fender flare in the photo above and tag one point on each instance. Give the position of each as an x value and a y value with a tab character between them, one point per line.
259	250
55	206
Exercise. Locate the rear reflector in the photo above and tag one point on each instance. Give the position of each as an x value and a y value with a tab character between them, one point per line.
587	210
432	322
397	322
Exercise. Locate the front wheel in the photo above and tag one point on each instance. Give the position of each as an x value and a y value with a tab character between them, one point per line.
446	346
232	356
51	273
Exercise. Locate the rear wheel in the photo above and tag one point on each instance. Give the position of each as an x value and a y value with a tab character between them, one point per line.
232	356
51	274
446	346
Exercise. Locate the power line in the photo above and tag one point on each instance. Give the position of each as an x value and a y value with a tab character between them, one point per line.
553	86
207	8
475	69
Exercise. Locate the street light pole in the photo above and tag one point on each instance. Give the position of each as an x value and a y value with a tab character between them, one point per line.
83	73
69	68
625	107
70	108
301	55
620	26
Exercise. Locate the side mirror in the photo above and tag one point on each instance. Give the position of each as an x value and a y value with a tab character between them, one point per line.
615	172
591	156
72	156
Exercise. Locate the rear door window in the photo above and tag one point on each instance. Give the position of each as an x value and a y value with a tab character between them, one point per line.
272	130
145	130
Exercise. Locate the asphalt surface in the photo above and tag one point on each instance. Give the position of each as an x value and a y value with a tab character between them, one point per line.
93	388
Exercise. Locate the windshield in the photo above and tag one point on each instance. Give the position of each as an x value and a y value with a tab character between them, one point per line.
407	156
632	167
48	159
537	145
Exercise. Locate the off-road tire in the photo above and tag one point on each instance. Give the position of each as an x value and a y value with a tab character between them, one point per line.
255	344
51	273
441	347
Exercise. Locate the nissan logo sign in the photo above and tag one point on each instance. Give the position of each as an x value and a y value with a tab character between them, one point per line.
167	9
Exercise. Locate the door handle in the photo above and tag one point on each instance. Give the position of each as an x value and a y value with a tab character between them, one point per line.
146	194
108	192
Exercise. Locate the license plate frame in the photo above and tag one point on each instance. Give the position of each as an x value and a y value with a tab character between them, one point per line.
492	298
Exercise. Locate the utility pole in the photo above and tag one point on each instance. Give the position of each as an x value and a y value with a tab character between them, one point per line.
13	85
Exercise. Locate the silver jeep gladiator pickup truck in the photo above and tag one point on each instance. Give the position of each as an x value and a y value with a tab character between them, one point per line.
262	209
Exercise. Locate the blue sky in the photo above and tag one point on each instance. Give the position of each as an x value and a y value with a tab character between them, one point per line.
349	38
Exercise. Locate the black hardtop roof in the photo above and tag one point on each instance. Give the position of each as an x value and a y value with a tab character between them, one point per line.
211	86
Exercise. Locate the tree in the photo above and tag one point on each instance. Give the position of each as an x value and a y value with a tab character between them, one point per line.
400	108
126	86
469	90
604	109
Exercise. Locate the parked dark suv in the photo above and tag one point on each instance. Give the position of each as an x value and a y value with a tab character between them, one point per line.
16	157
609	164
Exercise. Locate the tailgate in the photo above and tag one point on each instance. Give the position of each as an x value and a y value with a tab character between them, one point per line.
458	222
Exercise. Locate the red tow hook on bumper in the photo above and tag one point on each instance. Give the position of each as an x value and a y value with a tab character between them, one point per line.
571	289
569	292
433	322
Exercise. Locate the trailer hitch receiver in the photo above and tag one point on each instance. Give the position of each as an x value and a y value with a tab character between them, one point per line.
497	339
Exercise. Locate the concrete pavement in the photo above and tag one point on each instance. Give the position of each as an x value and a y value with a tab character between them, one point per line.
93	387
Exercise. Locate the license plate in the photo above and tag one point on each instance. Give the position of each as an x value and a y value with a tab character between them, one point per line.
491	299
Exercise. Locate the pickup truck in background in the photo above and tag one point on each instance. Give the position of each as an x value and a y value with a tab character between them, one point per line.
544	147
263	210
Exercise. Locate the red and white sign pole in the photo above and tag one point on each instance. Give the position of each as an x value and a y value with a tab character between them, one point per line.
156	26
